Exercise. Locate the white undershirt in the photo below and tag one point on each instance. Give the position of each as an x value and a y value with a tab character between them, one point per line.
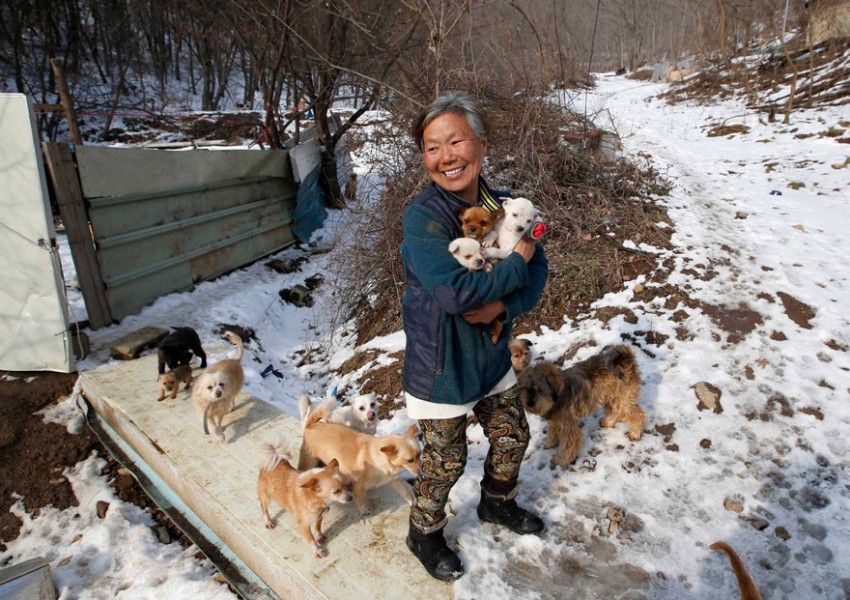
422	409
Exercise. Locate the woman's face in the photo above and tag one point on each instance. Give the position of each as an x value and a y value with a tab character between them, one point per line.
454	155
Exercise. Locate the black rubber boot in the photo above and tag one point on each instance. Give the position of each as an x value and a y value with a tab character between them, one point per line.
502	509
431	549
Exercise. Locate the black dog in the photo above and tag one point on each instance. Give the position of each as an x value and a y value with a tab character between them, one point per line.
178	348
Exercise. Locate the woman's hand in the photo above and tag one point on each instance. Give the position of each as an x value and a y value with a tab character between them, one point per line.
525	248
485	313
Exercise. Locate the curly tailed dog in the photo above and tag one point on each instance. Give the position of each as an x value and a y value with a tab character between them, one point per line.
214	392
304	494
748	588
608	380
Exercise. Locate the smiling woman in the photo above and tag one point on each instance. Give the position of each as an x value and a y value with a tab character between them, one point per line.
451	365
454	155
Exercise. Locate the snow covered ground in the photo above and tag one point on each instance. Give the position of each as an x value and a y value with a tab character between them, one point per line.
759	460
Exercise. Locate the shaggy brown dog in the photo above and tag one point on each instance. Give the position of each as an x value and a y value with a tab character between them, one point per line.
749	591
170	382
608	380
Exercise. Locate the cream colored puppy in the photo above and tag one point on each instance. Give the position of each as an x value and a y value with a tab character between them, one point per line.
519	215
214	392
367	461
360	413
469	254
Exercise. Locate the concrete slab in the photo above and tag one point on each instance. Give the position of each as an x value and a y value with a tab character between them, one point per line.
367	558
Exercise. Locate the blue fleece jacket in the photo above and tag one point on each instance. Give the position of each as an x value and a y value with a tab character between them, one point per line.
448	360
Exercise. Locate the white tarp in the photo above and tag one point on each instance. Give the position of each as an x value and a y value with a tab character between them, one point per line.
33	309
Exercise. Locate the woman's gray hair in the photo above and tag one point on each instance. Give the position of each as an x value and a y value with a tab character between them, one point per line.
455	102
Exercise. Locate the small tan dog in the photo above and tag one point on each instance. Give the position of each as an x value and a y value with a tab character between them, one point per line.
215	390
608	380
477	221
169	383
748	588
306	495
351	187
368	461
520	354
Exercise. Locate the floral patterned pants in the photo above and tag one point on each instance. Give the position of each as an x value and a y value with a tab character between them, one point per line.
444	454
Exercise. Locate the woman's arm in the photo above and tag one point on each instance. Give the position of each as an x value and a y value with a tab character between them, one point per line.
457	290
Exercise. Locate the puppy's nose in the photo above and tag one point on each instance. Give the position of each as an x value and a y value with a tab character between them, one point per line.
370	415
218	393
479	262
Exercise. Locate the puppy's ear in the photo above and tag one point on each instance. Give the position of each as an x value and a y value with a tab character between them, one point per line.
412	430
454	247
390	450
498	215
333	465
554	376
459	211
310	483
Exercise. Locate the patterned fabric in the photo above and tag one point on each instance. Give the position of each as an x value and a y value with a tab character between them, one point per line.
444	454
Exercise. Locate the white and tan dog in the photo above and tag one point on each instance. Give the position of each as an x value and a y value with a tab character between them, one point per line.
214	392
519	215
368	461
468	252
360	413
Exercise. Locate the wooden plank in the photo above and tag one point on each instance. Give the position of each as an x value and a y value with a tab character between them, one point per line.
67	102
115	171
69	197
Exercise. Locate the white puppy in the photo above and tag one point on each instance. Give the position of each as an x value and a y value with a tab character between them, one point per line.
468	253
519	214
360	413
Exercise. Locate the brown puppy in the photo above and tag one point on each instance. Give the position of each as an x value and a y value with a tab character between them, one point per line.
170	382
214	392
368	461
477	221
748	588
351	187
520	354
306	495
608	380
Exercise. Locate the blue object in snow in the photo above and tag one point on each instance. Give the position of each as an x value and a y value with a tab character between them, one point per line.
775	193
309	213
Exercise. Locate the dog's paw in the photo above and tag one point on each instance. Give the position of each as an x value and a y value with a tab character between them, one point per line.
320	539
319	552
269	524
634	436
365	511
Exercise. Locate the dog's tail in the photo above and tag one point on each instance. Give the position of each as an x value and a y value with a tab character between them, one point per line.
323	411
236	341
272	454
304	406
748	588
616	358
